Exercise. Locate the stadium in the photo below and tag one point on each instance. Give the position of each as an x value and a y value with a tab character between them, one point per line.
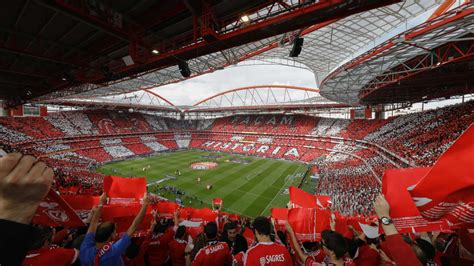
316	128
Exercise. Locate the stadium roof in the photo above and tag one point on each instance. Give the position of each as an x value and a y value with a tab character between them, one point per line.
431	60
326	46
263	98
109	47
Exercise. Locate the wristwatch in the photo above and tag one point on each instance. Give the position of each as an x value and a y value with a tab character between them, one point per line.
385	220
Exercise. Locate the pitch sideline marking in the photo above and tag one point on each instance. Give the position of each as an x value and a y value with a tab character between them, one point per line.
279	192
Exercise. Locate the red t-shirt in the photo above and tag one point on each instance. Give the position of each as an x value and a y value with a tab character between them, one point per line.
50	256
139	260
177	247
215	253
317	256
367	256
158	252
267	253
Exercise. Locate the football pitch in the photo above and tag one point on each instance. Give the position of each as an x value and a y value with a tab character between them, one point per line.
248	185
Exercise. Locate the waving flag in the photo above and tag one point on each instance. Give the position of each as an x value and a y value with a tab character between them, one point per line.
110	212
406	217
249	236
302	199
308	223
447	190
217	201
205	215
280	215
123	223
166	208
122	190
81	204
54	211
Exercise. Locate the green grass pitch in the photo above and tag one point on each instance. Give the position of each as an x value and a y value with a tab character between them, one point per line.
250	189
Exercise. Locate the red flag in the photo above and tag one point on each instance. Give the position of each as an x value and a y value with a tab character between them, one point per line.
249	236
447	190
406	217
280	215
342	225
123	223
166	208
185	213
122	190
54	211
110	212
302	199
82	204
217	201
194	231
234	217
308	223
203	215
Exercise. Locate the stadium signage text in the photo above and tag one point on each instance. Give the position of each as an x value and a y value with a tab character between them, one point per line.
247	120
241	147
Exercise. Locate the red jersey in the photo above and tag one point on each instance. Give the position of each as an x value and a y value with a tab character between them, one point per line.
215	253
367	256
50	256
139	260
317	256
158	252
311	262
177	247
267	253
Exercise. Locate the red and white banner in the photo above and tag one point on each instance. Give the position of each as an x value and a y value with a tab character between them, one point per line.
280	215
166	209
110	212
234	217
123	191
302	199
54	211
447	190
308	223
123	223
217	201
82	204
203	215
406	217
185	213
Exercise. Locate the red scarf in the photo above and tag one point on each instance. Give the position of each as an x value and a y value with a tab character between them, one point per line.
101	253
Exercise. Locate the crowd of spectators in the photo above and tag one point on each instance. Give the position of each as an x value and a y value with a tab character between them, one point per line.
225	241
76	141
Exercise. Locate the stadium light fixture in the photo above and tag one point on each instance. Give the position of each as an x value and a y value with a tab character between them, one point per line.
154	51
245	18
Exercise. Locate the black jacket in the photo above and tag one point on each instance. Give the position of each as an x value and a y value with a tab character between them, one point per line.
15	241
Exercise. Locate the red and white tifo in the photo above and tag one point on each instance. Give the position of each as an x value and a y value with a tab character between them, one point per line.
204	165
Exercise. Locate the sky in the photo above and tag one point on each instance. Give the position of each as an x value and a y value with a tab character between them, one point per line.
193	90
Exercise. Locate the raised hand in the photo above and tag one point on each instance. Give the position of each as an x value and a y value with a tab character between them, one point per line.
381	206
24	182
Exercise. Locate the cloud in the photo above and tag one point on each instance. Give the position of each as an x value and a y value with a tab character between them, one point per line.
193	90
